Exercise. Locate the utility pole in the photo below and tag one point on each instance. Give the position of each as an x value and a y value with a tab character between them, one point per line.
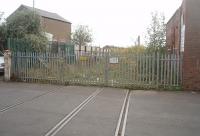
34	7
138	40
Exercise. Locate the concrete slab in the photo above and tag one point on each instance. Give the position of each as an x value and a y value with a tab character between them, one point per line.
13	93
163	114
99	117
62	101
35	118
27	122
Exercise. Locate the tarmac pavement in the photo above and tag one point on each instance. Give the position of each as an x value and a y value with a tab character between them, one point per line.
52	110
153	113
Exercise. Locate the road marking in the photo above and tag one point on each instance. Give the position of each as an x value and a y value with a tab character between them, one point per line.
68	117
121	125
22	102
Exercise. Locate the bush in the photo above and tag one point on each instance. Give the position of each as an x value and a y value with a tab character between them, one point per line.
38	43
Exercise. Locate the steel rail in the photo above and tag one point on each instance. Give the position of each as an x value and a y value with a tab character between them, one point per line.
53	131
121	125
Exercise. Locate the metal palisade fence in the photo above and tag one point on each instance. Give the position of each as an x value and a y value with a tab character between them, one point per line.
20	45
99	68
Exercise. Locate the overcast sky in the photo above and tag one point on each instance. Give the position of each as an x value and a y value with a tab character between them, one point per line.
113	22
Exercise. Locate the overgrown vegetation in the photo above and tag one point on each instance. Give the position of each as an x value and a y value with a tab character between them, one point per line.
25	26
155	38
156	33
137	49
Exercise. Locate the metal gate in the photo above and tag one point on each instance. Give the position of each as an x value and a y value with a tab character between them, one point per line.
98	68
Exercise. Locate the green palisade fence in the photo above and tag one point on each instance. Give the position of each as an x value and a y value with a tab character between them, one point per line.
102	68
19	45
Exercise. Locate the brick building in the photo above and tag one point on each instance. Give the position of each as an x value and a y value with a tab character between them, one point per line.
52	23
173	33
183	36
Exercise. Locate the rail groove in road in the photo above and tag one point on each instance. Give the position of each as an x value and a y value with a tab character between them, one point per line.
68	117
22	102
121	125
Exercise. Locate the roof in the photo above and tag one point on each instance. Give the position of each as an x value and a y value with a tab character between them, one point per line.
177	12
46	14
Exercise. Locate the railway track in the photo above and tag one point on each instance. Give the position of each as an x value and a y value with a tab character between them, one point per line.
121	125
53	131
122	119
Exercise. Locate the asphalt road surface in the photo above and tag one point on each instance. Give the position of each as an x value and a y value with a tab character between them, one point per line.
51	110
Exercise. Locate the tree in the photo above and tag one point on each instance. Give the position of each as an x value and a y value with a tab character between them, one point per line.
156	33
22	23
2	32
25	26
82	36
38	43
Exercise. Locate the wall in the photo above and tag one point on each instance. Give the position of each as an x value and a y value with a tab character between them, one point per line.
191	61
173	33
61	30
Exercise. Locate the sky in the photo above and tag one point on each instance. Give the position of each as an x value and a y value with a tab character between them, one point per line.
112	22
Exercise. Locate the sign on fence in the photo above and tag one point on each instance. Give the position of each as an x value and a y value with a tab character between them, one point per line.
114	60
83	58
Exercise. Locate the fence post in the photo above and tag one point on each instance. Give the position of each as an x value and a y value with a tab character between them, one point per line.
181	69
7	69
8	44
157	73
106	68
